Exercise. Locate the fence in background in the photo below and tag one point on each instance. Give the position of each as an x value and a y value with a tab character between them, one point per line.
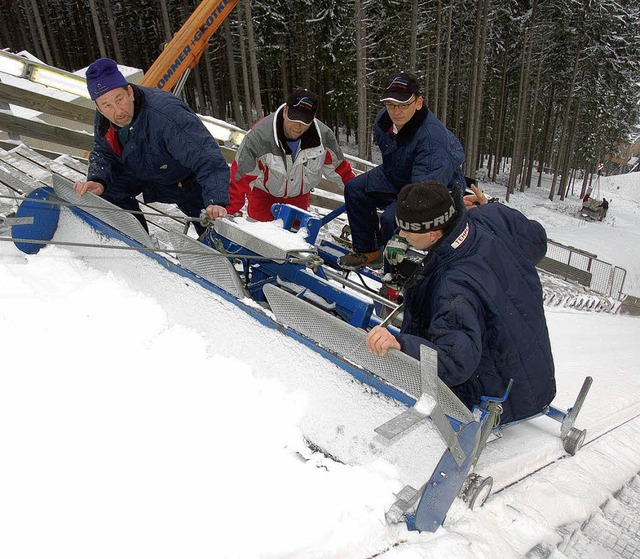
584	268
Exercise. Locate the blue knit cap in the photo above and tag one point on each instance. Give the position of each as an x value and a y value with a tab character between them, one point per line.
103	76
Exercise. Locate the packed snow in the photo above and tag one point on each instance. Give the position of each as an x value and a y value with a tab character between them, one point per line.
141	416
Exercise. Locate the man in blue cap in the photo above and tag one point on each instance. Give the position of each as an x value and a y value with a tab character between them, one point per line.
149	142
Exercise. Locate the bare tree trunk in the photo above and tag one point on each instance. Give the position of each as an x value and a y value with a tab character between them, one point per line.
361	78
435	100
57	59
543	157
285	82
35	39
16	30
114	32
165	19
306	73
245	75
500	125
413	54
5	33
195	93
519	136
40	36
97	28
445	92
255	76
219	65
475	90
199	105
585	181
523	117
564	134
427	72
211	85
233	80
479	94
530	142
566	163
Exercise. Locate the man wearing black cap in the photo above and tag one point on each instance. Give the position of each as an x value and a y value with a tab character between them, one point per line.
476	298
148	141
415	147
283	157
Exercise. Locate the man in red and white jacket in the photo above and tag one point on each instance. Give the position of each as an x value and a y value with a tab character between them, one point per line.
283	157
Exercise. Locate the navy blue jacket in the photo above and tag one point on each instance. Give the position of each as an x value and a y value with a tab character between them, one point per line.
477	300
424	149
168	147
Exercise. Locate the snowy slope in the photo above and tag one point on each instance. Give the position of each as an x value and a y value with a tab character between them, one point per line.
141	416
615	240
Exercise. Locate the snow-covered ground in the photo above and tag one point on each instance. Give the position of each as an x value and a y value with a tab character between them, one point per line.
140	416
615	240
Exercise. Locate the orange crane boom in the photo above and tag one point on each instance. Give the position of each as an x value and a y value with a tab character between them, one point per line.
183	52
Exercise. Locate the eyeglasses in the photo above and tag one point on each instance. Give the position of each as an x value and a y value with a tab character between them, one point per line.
400	106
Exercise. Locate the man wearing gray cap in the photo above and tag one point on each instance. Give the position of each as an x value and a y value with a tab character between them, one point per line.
149	142
476	298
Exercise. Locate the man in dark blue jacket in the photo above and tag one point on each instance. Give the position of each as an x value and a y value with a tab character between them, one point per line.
148	141
476	299
415	147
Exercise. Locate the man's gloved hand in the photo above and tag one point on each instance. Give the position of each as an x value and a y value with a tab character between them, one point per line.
396	249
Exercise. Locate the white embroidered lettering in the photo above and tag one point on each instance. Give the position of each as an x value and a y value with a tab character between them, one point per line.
461	238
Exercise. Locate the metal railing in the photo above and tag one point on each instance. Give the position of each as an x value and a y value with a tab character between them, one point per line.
576	265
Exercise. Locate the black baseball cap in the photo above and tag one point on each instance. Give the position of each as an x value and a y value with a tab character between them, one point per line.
401	87
302	105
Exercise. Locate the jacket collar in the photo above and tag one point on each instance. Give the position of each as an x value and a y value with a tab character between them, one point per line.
408	130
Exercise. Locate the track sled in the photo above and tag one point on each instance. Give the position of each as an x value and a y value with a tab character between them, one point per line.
592	210
282	275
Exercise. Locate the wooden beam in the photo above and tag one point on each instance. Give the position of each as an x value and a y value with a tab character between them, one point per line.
41	131
46	104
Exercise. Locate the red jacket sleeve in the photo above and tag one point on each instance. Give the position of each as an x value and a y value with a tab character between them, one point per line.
344	169
238	189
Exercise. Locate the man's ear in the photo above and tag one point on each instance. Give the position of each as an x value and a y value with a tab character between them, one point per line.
435	235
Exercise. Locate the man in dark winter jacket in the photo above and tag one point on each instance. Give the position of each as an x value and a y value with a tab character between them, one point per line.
415	147
148	141
476	298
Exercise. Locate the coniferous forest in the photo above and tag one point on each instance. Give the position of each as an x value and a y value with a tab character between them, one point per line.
540	84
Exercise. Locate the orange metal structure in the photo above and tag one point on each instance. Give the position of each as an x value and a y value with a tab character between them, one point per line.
183	52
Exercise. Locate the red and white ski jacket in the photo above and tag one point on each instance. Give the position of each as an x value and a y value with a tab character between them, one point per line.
264	161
